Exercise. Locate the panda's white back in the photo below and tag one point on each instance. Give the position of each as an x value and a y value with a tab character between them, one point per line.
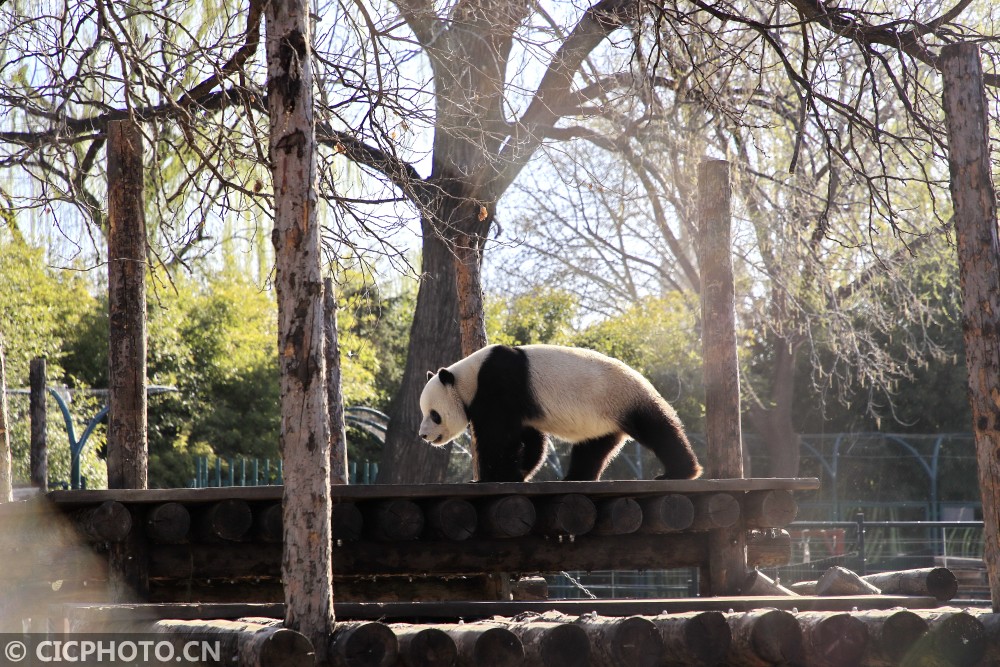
583	393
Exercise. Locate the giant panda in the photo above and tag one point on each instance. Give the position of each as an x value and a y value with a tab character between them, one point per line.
515	397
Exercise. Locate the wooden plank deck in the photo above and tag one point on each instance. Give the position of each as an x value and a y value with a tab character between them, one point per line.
468	490
470	610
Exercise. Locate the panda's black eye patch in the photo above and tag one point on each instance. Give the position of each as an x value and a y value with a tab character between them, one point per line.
435	417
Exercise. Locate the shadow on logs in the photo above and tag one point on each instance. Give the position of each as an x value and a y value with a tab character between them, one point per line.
228	519
764	637
956	639
509	516
569	514
452	519
715	510
666	514
553	644
363	644
630	642
423	646
486	645
395	520
268	525
769	509
346	522
833	640
892	633
168	523
694	639
108	522
617	516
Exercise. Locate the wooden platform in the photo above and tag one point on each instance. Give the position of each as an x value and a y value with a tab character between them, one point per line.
353	492
396	542
447	611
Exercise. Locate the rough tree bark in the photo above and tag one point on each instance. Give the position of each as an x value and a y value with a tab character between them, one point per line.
304	438
974	199
471	310
334	393
727	547
39	445
6	474
127	427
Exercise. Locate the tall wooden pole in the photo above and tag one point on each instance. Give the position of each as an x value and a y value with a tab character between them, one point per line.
304	437
39	457
727	566
974	199
127	429
334	392
6	473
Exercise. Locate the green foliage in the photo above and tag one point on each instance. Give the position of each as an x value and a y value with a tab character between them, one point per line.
39	308
931	395
541	316
214	339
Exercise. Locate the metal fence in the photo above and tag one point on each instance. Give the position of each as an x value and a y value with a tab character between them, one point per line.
863	546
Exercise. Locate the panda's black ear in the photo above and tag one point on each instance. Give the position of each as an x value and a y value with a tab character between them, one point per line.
446	376
430	374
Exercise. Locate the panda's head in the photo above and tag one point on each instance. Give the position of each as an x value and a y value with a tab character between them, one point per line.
444	416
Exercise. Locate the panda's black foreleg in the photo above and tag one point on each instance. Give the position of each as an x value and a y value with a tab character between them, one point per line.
500	457
659	429
588	459
533	446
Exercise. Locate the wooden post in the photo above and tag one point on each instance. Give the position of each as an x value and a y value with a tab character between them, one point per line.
127	306
6	474
334	394
727	548
39	458
304	436
974	199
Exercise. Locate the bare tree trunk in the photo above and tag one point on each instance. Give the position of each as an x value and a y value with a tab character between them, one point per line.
334	394
434	342
39	446
974	199
304	438
471	311
127	428
774	423
6	474
727	547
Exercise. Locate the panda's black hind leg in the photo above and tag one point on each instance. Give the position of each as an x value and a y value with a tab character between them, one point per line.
588	459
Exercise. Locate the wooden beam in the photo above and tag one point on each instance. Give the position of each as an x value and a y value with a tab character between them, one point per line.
923	607
357	492
39	457
974	199
127	448
727	557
